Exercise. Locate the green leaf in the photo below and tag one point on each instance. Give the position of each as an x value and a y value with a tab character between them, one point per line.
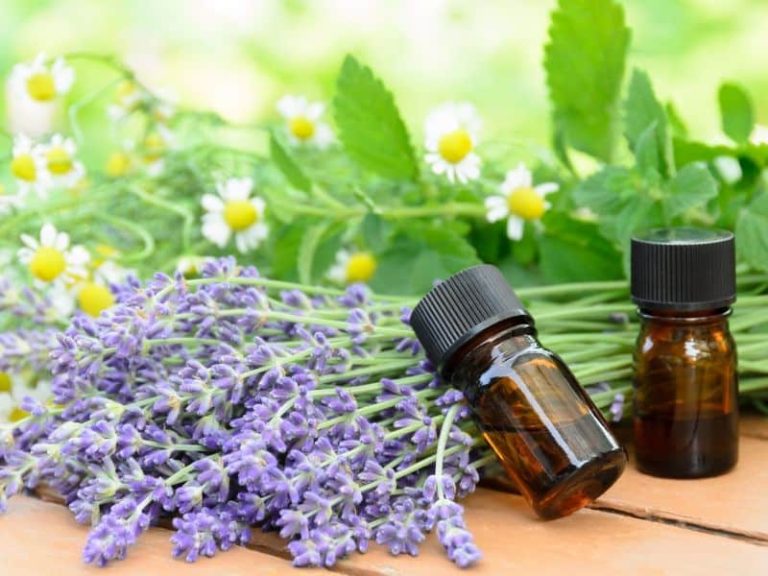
573	251
584	62
370	126
692	187
647	153
752	233
607	191
307	249
736	112
288	166
688	151
419	255
641	111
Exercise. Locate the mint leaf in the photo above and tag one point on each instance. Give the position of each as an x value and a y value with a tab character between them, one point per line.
692	187
647	153
288	166
584	62
418	256
641	110
752	233
736	112
607	192
370	126
573	251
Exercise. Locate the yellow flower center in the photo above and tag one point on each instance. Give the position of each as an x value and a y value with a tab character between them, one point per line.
59	161
526	203
361	267
301	127
154	147
47	264
23	167
41	86
5	382
240	214
17	414
94	298
118	164
125	90
455	146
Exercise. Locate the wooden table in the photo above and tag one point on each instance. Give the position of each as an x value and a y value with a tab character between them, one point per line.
643	525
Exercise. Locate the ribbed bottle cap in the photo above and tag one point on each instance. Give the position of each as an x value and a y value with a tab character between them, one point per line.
684	269
461	307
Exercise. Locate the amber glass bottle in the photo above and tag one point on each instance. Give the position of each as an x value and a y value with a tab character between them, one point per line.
685	402
548	435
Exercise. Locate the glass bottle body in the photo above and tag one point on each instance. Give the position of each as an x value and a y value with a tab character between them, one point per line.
686	388
550	438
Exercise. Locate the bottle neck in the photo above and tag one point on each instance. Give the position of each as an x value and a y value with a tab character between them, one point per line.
506	337
666	316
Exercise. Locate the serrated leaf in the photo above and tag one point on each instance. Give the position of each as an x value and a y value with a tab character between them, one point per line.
641	110
418	256
370	126
307	249
584	62
692	187
607	191
288	166
736	112
752	233
647	153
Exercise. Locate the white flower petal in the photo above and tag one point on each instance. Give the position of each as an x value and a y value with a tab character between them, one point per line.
215	229
546	188
496	208
211	203
237	188
520	177
515	227
48	235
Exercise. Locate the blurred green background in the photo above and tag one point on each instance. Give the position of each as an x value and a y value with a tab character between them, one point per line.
238	57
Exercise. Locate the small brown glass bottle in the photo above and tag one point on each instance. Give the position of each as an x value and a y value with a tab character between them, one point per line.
548	435
685	401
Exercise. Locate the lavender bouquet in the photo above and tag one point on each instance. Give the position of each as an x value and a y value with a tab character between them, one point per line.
225	402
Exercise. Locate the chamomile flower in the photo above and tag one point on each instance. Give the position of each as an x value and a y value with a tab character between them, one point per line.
13	390
519	202
154	149
302	119
52	259
41	81
451	138
61	162
233	212
29	167
353	267
190	266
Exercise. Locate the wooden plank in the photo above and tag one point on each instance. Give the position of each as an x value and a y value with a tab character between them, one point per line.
736	502
754	426
41	539
513	541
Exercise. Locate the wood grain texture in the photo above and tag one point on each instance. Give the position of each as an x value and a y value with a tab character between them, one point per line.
589	542
733	503
42	539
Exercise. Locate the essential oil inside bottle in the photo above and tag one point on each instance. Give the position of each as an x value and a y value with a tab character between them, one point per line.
548	435
685	401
